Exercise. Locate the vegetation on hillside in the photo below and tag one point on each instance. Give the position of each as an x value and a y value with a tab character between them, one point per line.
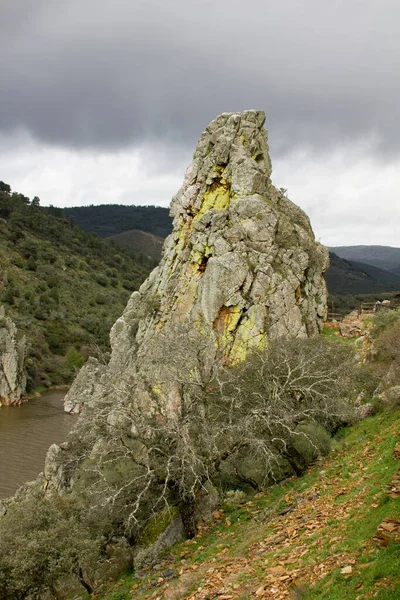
345	277
247	428
111	219
63	287
332	534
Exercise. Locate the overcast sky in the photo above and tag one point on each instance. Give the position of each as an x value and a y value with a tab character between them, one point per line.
103	102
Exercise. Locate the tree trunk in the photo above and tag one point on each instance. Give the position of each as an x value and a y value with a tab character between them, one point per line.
187	510
83	581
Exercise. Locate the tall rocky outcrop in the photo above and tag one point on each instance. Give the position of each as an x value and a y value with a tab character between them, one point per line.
12	357
241	267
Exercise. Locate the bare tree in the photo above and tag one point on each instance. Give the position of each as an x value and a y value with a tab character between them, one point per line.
255	413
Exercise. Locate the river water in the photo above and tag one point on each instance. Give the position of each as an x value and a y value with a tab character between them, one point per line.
26	432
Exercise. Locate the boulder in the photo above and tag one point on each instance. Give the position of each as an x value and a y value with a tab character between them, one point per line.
240	267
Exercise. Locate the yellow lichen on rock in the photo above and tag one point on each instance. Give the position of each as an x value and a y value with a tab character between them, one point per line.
250	335
217	197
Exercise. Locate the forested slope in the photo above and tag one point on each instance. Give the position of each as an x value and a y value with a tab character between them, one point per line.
111	219
63	287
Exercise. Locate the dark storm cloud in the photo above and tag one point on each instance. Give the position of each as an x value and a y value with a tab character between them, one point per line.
86	73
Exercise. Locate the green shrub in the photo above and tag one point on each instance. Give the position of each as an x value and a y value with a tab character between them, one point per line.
392	397
102	280
382	320
74	359
58	336
308	443
100	299
388	342
18	261
31	264
128	285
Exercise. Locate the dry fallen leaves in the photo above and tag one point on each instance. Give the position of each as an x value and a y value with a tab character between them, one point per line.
388	530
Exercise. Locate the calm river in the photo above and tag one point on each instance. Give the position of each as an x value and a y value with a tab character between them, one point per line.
26	432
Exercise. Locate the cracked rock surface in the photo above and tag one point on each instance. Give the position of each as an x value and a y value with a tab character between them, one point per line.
12	357
240	267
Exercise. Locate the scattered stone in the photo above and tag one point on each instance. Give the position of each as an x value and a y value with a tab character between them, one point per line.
260	591
347	570
388	531
168	573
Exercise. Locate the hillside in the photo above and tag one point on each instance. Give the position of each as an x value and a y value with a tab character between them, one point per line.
349	277
110	219
312	537
127	225
384	257
141	242
63	287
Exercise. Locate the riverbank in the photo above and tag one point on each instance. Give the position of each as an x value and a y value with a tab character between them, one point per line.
42	390
37	394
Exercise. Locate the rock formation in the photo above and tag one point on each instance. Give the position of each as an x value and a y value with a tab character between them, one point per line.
240	267
12	357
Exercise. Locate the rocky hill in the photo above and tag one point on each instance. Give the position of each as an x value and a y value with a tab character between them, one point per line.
240	270
218	386
218	379
240	266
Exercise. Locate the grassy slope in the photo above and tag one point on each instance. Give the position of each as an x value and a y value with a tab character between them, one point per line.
253	552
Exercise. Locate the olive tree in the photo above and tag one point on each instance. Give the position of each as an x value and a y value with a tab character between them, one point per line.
41	540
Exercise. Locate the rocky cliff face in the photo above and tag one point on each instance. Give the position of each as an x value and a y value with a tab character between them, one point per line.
240	267
12	356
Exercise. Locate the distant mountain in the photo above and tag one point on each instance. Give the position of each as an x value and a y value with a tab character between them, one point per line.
396	270
384	257
140	241
350	277
110	219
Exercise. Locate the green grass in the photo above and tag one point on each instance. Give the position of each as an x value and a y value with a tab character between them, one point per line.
333	529
334	334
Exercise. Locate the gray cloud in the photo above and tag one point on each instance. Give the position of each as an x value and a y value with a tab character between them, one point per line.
91	74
